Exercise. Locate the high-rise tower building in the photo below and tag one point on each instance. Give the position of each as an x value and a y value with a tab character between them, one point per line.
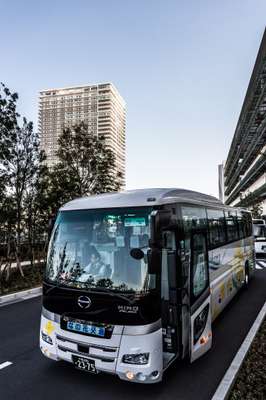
100	106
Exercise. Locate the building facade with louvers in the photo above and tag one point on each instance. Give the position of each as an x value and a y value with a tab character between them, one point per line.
245	167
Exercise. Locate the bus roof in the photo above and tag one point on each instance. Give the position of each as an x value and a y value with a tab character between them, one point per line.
142	197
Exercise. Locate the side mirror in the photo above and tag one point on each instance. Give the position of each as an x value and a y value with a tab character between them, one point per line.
160	221
137	254
154	260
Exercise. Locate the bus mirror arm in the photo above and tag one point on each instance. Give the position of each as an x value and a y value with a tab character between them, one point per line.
51	222
154	260
161	220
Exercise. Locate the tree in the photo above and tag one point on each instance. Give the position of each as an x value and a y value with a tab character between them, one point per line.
86	166
8	121
36	205
8	126
29	192
257	210
21	170
7	235
253	203
24	184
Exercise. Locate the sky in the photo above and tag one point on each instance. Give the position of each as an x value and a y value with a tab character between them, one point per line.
182	67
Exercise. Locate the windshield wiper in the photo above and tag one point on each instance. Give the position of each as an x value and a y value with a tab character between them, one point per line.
114	294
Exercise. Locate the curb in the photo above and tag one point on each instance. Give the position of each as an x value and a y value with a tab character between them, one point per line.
20	296
224	388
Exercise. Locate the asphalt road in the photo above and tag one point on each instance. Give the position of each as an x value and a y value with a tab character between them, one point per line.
31	376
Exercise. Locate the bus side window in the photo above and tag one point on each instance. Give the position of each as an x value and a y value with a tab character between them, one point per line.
247	224
200	279
231	226
193	217
241	225
216	225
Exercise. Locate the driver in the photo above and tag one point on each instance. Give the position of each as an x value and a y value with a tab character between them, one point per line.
96	267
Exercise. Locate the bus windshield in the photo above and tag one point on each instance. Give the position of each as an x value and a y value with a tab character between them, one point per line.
259	231
91	249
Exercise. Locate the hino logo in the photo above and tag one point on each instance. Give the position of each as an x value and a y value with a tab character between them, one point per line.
84	301
128	309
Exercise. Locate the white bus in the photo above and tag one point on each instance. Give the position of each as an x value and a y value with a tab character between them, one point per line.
134	279
259	232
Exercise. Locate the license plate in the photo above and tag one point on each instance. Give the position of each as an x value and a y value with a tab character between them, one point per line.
85	328
84	364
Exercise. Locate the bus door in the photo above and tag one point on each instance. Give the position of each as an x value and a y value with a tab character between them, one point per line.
171	320
200	297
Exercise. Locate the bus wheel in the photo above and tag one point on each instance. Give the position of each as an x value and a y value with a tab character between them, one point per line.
246	279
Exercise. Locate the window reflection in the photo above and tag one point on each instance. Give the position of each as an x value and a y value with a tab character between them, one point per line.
92	249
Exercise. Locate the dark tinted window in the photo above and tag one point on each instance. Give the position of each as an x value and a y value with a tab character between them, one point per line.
200	266
247	223
194	217
231	225
244	224
216	225
259	231
240	221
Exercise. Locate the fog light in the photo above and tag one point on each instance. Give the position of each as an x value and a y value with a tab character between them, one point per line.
141	377
47	338
155	374
129	375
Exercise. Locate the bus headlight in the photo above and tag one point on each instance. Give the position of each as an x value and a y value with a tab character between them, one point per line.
200	323
47	338
140	359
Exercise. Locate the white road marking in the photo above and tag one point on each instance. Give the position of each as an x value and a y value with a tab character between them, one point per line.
260	264
5	364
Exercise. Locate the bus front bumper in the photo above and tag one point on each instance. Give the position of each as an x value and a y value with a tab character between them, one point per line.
107	354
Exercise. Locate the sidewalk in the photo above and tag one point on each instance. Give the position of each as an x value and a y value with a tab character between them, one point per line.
20	296
23	264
